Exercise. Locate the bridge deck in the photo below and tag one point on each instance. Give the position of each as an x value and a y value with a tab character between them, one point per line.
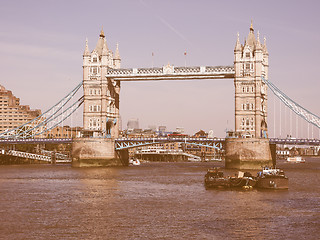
287	141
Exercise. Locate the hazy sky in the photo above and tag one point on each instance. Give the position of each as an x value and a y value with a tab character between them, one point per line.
42	42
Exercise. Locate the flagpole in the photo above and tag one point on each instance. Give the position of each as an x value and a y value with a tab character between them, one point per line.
152	59
185	58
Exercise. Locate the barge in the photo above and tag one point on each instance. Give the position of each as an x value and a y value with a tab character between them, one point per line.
272	178
215	178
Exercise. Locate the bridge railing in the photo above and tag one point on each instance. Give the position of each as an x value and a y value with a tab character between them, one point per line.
205	71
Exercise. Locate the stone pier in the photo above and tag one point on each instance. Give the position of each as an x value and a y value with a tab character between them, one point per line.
96	152
247	153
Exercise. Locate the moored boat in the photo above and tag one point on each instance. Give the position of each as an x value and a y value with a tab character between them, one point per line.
214	178
134	162
296	159
244	180
272	178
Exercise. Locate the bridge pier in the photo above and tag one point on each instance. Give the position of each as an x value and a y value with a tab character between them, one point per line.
95	152
247	153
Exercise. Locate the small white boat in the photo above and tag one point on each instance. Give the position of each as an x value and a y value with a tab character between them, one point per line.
134	162
296	159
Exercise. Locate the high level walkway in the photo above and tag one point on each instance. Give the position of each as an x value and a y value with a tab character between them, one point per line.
170	72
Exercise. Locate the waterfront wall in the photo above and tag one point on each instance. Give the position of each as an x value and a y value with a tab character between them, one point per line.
247	153
96	152
12	160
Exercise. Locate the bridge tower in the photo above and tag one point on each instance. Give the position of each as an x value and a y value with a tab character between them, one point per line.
100	109
101	94
250	149
250	63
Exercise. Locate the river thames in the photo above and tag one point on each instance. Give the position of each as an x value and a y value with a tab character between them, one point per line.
153	201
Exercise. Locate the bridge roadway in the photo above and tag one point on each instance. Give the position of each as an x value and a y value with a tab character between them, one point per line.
122	143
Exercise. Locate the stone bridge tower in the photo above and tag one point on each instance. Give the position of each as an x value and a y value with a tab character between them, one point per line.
250	63
250	149
96	146
101	94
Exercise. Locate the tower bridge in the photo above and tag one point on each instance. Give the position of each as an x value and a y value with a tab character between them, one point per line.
102	77
247	147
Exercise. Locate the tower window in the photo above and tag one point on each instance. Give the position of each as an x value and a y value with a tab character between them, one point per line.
247	54
94	59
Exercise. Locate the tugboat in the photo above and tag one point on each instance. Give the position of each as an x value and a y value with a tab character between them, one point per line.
272	178
214	179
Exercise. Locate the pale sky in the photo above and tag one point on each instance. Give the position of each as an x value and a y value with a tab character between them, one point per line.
42	42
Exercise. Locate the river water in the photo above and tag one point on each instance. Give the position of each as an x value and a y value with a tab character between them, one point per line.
153	201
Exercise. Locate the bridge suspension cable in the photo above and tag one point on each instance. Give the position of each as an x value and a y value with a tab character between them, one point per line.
295	107
47	120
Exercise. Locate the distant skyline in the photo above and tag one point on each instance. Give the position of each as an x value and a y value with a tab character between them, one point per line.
42	42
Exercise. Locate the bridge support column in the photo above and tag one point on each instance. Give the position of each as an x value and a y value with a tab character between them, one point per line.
94	152
247	153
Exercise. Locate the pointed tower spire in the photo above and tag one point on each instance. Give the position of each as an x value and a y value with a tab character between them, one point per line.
117	54
238	45
251	27
258	44
105	47
101	40
102	33
86	50
264	47
117	59
251	39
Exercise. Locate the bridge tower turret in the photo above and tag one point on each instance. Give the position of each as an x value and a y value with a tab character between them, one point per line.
101	94
250	63
117	58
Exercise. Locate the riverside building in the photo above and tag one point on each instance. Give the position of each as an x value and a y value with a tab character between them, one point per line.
12	114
